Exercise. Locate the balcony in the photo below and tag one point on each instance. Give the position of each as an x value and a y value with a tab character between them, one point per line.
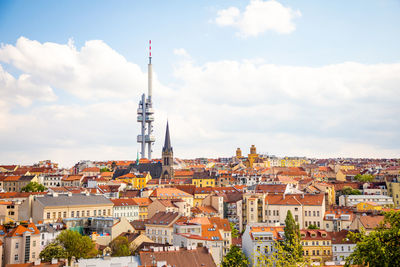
148	138
149	110
139	111
149	118
139	118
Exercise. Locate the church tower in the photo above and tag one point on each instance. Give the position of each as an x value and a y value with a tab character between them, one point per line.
167	157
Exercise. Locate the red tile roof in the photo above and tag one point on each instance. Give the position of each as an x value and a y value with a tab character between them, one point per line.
295	199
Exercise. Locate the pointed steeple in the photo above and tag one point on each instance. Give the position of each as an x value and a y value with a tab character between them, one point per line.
167	143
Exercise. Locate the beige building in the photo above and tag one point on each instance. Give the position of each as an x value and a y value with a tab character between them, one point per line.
172	193
306	209
159	228
169	205
16	183
72	180
50	208
22	244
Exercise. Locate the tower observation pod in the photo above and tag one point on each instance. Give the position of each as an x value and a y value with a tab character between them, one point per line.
145	115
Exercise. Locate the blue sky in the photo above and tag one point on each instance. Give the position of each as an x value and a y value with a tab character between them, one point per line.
323	34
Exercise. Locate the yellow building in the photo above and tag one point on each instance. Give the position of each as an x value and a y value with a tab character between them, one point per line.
143	204
238	153
137	181
293	161
365	206
317	245
252	156
203	179
394	191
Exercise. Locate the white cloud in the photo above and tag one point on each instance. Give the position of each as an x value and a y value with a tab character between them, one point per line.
347	109
258	17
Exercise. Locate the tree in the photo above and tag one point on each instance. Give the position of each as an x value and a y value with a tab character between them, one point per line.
381	247
312	226
347	190
292	243
74	244
234	231
364	177
120	247
235	258
105	169
33	187
280	256
52	251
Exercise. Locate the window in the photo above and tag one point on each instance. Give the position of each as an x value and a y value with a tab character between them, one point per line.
94	213
88	213
296	217
59	214
296	209
313	252
72	214
104	212
64	214
34	243
77	213
314	213
33	255
16	245
48	215
317	252
16	257
318	213
318	224
54	214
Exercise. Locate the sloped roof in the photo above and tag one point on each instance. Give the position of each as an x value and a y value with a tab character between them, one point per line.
163	218
295	199
181	258
74	200
20	230
371	222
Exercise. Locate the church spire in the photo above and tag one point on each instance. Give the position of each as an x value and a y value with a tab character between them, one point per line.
167	144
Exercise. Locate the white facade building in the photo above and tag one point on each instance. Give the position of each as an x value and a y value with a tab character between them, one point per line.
353	200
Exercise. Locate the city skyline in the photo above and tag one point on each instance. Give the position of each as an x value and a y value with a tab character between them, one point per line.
316	80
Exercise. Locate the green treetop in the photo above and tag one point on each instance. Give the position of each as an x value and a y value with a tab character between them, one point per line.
120	247
292	243
33	187
235	258
380	247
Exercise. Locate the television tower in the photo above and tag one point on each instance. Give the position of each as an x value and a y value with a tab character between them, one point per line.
145	114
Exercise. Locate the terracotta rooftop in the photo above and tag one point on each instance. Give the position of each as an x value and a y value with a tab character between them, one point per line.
124	202
163	218
181	258
295	199
371	222
315	235
169	193
142	201
20	230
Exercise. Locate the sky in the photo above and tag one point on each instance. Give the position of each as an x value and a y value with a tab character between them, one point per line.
295	78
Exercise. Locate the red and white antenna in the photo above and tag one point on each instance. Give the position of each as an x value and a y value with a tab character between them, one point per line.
150	48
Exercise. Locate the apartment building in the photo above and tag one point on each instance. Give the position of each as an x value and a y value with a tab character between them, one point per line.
353	200
16	183
258	242
127	208
22	244
159	228
307	209
317	245
50	208
342	247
